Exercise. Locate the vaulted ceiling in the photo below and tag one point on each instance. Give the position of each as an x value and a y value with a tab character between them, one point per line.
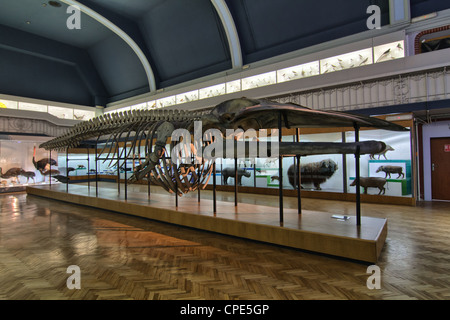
127	48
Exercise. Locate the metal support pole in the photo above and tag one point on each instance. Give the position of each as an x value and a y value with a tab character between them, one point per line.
214	188
254	173
344	167
299	186
50	172
235	181
96	169
299	174
118	169
67	169
358	185
176	191
199	184
280	169
89	169
125	174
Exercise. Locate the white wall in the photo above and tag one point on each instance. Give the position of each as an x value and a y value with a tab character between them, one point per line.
434	130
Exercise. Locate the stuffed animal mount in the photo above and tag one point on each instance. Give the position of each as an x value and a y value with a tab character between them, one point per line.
216	134
15	173
230	172
315	173
371	182
382	153
12	173
388	170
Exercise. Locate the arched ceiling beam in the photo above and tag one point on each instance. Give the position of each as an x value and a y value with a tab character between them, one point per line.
231	32
123	35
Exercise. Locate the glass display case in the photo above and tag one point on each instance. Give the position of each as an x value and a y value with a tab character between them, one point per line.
23	163
347	61
81	164
298	72
397	158
332	174
260	80
233	86
212	91
187	97
390	51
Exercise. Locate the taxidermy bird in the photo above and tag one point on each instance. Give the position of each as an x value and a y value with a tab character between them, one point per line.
11	173
43	164
28	175
384	55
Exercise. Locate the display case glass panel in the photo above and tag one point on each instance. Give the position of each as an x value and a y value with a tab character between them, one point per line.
166	102
213	91
151	104
298	72
322	172
83	115
397	158
233	86
32	107
333	173
20	166
62	113
390	51
259	80
346	61
139	106
187	97
7	104
78	164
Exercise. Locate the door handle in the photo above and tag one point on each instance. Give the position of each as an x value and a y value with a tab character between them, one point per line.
432	167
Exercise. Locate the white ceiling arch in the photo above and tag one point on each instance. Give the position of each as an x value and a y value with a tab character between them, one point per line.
230	29
123	35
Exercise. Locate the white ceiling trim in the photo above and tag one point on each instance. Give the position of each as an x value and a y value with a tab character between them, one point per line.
231	32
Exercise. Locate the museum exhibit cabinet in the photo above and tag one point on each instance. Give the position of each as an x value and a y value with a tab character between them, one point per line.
334	174
23	163
322	176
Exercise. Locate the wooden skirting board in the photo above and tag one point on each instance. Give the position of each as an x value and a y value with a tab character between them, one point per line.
312	230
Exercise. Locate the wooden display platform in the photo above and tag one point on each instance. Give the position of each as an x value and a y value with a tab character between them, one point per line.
312	230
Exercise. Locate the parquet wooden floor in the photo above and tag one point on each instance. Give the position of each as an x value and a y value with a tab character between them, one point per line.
123	257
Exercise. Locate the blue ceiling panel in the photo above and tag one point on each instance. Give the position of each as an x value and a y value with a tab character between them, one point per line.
120	69
39	18
185	39
422	7
32	45
268	28
36	77
128	48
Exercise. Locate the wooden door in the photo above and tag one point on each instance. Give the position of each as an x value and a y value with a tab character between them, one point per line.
440	168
